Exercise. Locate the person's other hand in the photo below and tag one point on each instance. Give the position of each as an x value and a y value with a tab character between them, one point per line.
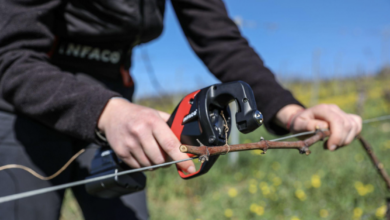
343	127
140	136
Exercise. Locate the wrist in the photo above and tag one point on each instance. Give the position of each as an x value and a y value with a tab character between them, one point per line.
287	114
109	109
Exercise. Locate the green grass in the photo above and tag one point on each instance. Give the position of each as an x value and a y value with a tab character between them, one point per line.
282	184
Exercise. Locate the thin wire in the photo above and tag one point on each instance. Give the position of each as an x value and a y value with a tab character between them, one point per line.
367	121
81	182
381	118
294	135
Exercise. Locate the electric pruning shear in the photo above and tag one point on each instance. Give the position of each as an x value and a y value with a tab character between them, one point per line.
200	118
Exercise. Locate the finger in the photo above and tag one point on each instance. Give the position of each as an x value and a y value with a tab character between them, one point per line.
358	121
340	127
307	124
169	143
152	149
352	133
336	122
130	161
165	116
136	150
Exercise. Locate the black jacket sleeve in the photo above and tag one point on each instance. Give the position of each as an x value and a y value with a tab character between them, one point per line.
31	84
218	43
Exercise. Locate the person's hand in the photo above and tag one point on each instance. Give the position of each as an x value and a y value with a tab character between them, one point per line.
140	136
343	127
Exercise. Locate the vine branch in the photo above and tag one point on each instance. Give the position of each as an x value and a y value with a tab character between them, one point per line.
303	146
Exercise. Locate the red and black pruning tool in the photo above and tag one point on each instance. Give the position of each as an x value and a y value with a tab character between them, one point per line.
198	118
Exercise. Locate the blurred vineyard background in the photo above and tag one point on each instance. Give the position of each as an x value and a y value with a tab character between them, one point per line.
283	184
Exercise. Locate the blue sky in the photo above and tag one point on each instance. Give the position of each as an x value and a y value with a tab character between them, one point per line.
347	37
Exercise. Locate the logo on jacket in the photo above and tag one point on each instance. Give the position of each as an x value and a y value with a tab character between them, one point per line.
90	53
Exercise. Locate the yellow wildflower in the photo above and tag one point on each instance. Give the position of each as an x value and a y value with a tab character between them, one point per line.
295	218
363	189
300	194
257	152
258	209
253	207
316	181
232	192
357	213
264	188
380	212
252	188
324	213
228	213
277	181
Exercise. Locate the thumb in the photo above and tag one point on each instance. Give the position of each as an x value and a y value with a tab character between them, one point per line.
308	124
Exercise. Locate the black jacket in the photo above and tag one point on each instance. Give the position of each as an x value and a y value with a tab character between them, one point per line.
44	42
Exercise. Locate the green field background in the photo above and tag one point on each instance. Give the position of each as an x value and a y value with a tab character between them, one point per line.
282	184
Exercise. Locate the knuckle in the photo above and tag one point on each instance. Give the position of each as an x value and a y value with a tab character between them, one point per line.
358	119
338	120
355	122
159	160
348	125
138	128
132	147
134	165
122	154
151	113
169	145
145	163
151	119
